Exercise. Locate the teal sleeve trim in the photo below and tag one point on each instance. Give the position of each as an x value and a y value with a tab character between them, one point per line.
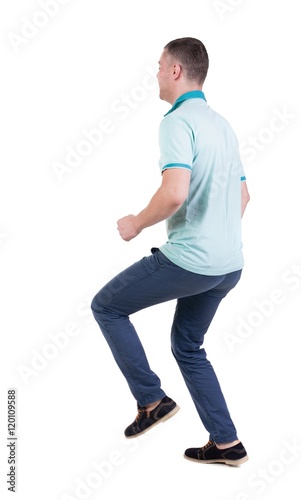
177	165
243	178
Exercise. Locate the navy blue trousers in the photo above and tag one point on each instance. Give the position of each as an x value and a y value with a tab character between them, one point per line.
154	280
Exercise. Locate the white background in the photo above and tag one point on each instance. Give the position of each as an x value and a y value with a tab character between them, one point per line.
59	245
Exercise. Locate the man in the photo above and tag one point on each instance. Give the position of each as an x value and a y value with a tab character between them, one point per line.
202	196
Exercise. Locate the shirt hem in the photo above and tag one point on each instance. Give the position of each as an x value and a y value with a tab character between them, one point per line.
201	270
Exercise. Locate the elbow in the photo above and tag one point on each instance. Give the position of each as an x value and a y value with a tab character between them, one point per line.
244	202
246	198
177	200
177	197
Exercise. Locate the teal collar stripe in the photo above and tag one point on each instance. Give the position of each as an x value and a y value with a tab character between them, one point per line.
188	95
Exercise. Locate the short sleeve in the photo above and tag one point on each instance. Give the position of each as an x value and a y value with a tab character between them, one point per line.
176	143
242	172
240	167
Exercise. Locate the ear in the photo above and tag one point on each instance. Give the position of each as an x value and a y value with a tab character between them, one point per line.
177	70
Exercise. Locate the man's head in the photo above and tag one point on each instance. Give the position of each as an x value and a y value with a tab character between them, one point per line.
183	66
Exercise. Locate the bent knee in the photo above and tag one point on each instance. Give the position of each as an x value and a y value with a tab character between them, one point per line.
187	351
101	302
97	304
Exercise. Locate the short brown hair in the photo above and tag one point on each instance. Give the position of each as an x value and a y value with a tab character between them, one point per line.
192	55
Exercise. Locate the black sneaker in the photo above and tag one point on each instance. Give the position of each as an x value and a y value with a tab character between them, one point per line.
148	419
210	454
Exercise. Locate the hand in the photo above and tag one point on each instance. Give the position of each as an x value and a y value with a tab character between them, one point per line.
127	227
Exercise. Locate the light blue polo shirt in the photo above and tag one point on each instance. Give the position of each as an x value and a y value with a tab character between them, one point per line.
204	235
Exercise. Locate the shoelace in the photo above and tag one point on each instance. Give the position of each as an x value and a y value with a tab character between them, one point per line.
210	443
140	411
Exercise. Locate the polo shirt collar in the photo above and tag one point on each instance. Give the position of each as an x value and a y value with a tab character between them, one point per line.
188	95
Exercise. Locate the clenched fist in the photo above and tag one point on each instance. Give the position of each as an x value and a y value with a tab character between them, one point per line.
127	227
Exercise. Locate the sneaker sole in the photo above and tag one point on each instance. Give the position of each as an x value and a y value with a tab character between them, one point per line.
234	463
161	420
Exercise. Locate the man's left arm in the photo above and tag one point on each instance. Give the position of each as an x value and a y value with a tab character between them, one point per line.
245	197
166	201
